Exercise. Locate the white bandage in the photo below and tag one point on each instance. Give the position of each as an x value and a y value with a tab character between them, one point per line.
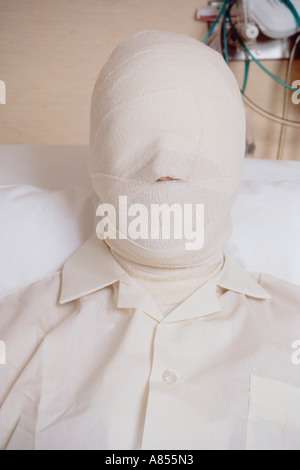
164	105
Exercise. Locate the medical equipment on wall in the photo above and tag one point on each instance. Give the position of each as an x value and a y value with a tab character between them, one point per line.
255	30
273	18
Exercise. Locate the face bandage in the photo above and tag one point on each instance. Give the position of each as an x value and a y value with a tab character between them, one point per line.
166	105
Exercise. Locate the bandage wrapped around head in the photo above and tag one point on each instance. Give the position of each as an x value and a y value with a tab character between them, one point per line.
166	105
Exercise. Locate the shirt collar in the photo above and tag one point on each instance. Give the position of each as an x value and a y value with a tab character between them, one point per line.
92	267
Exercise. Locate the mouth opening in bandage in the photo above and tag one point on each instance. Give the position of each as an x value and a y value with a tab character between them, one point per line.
167	178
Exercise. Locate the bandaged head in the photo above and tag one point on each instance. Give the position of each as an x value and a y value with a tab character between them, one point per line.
166	105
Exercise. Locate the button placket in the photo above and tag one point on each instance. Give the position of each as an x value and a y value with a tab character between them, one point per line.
162	380
168	376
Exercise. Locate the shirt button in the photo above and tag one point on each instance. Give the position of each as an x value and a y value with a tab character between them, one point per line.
169	377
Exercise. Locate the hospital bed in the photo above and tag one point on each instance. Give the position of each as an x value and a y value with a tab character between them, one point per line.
47	210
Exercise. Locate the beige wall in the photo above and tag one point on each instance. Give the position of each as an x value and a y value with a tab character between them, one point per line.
51	52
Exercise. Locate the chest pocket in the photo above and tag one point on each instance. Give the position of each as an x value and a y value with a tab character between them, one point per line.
274	416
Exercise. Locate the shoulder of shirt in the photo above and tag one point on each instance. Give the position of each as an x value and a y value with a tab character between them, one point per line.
265	279
281	290
49	285
44	292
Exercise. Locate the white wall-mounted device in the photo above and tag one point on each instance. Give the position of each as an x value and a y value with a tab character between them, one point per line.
273	18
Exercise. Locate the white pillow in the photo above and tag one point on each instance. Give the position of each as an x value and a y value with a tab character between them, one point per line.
40	229
266	228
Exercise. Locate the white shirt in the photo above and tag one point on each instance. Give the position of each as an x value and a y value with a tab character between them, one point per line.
93	364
